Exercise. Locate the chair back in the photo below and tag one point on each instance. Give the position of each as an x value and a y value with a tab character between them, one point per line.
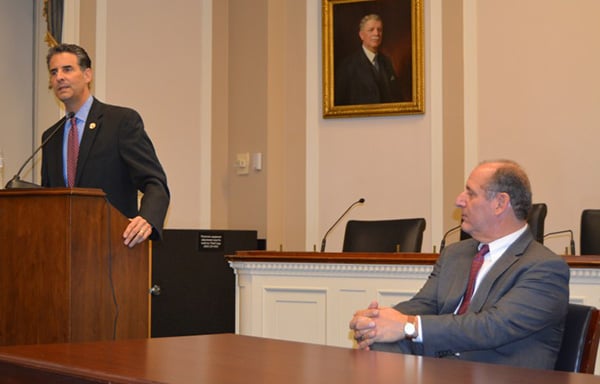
589	241
536	220
580	340
404	235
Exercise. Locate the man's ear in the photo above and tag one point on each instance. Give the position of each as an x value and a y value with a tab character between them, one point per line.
502	202
87	75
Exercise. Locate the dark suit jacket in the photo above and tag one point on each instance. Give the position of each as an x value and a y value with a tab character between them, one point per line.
516	316
117	156
357	81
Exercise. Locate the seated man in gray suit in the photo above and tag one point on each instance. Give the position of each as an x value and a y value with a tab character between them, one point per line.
515	314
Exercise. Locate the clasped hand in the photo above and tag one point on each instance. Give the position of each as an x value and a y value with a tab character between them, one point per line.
377	324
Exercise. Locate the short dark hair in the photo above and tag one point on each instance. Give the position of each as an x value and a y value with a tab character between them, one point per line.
83	59
510	178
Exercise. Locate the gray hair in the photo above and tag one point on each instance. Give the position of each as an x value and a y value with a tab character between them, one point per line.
511	179
364	20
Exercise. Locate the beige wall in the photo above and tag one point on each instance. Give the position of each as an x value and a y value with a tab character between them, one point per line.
286	128
248	110
387	160
512	79
153	61
16	101
219	162
453	110
539	95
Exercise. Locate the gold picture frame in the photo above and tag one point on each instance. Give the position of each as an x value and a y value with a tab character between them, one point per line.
398	90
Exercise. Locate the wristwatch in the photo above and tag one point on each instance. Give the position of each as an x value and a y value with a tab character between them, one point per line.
410	327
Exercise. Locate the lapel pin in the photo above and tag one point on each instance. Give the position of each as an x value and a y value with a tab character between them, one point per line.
92	125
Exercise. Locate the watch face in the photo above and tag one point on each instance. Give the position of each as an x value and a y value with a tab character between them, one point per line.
409	329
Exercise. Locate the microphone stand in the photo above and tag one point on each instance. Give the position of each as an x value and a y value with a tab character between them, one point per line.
324	241
16	182
443	242
571	242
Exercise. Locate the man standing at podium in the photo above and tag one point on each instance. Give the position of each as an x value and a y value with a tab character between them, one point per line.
500	297
102	146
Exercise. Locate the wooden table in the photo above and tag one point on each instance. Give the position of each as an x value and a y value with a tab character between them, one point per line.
230	359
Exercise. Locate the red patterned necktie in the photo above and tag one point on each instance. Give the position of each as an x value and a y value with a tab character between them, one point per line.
475	267
72	152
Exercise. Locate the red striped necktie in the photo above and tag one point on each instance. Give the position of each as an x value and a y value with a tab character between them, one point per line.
475	267
72	152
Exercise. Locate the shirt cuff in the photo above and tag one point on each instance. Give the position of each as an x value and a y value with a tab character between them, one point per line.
419	338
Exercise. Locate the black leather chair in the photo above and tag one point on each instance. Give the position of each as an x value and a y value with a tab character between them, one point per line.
401	235
536	220
589	241
580	340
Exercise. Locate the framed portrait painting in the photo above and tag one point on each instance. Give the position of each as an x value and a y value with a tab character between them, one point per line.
372	57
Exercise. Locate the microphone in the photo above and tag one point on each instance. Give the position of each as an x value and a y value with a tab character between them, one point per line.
570	232
324	241
443	242
16	182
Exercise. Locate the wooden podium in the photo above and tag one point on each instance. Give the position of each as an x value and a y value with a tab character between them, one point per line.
65	274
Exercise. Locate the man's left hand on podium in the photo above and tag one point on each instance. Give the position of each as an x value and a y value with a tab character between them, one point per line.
137	231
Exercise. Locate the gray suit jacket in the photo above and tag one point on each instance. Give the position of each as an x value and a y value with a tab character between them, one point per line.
516	316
